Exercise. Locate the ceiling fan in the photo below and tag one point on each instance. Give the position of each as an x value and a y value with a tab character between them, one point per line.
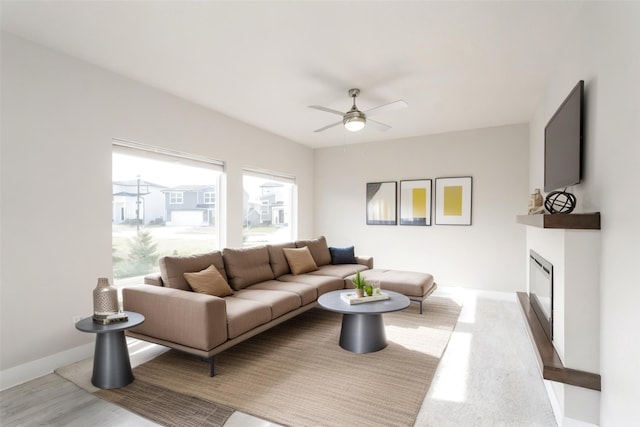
354	119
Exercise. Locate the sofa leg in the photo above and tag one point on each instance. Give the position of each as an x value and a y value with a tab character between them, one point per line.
419	301
211	367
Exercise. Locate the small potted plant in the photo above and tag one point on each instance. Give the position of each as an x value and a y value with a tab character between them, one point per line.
359	283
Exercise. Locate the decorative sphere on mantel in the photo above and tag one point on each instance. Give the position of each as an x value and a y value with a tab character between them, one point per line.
560	202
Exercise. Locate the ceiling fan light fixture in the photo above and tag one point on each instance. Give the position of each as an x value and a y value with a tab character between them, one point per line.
354	121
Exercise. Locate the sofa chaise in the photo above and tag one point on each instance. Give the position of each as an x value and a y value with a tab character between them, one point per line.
204	304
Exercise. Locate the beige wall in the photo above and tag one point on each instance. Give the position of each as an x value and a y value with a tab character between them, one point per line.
59	117
487	255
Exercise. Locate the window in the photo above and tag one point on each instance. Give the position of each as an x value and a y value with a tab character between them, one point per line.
268	206
164	203
209	198
175	197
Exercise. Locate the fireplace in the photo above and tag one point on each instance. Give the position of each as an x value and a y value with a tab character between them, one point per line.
541	291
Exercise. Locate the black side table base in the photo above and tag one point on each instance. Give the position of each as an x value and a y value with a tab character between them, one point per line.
111	365
363	333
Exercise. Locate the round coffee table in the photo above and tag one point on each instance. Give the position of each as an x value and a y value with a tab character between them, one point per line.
111	364
362	324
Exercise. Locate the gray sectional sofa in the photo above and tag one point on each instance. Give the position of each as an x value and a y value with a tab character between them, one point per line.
267	285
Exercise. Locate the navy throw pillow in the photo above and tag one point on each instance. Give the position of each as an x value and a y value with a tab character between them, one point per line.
342	255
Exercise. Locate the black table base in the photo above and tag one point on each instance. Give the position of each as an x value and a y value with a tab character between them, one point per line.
363	333
111	365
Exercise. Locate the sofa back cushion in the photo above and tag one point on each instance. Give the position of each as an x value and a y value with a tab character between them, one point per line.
247	266
278	261
318	248
172	268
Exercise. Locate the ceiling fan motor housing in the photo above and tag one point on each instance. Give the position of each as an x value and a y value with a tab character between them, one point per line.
354	120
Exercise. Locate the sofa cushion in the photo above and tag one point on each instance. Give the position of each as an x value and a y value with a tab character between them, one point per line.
321	284
319	250
172	268
409	283
300	260
245	314
247	266
208	281
340	270
278	261
307	293
342	255
281	302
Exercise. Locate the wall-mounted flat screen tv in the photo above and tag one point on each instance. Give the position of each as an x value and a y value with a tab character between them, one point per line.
563	141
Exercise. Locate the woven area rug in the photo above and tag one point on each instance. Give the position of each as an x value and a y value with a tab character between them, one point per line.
296	374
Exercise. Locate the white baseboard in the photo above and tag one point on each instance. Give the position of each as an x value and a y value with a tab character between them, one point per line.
570	422
558	412
555	404
26	372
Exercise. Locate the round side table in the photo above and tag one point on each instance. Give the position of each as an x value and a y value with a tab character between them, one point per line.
362	324
111	364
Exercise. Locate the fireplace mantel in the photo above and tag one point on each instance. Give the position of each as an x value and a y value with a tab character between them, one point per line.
586	221
550	364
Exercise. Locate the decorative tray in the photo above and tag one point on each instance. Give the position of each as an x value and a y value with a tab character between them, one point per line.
351	298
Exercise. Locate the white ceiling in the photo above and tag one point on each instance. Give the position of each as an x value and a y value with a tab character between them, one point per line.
459	65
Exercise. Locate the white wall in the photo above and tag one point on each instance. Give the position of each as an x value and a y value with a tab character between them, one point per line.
487	255
59	117
605	55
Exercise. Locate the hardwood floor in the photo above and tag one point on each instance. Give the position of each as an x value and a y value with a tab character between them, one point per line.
53	401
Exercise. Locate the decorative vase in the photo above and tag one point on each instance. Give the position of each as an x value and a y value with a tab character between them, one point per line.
535	202
105	299
537	198
359	292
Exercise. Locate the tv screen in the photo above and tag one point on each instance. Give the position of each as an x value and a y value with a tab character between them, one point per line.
563	137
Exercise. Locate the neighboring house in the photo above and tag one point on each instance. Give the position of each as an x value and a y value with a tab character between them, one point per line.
267	207
190	205
128	195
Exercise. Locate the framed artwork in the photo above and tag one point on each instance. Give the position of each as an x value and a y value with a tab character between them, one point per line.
415	202
381	203
453	201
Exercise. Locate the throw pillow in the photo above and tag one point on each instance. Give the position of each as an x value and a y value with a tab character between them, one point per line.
318	248
208	281
342	255
300	260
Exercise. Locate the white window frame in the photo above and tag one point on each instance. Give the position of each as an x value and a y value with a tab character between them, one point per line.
209	197
176	197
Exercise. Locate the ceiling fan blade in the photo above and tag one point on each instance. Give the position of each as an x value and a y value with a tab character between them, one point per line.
378	125
328	126
395	105
328	110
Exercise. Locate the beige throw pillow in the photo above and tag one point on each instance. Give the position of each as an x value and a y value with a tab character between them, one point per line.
300	260
208	281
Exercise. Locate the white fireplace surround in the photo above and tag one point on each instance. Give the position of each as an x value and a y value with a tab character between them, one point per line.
575	256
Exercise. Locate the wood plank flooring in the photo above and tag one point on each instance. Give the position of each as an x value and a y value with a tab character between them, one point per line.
53	401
